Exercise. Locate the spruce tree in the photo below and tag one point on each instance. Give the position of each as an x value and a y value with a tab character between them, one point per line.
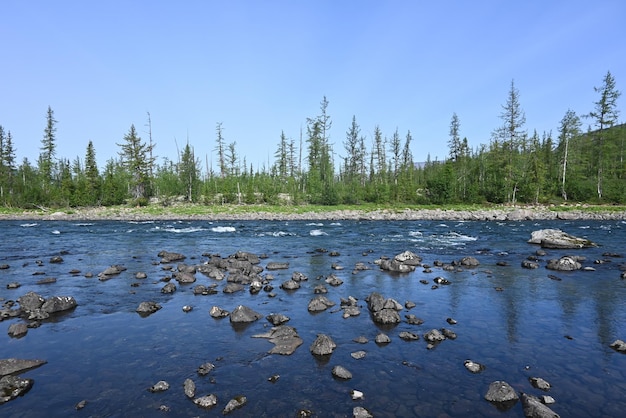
136	159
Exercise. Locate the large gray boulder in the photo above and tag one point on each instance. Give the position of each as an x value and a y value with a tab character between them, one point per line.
242	314
284	338
14	365
58	304
555	238
147	308
501	394
169	257
323	345
13	386
30	301
320	303
533	408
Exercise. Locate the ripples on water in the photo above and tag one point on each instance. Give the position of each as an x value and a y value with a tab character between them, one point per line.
107	354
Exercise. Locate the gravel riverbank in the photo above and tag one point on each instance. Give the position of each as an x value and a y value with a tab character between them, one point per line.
499	214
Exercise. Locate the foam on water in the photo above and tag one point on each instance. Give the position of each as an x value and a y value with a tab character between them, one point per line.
222	229
315	224
184	230
317	233
56	232
29	225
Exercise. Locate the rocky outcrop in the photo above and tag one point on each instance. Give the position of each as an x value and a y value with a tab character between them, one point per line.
285	339
170	257
147	308
555	238
13	386
15	365
384	311
320	303
533	408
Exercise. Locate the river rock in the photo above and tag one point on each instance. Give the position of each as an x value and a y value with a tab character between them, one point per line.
30	301
529	264
619	345
320	303
555	238
233	287
147	308
217	312
469	262
243	314
205	368
285	339
533	408
360	412
110	272
323	345
169	257
473	367
207	401
235	403
334	280
277	318
185	277
341	372
58	304
565	263
500	392
408	258
409	336
386	317
160	386
190	388
17	330
169	288
382	338
276	265
434	336
539	383
290	285
13	386
15	365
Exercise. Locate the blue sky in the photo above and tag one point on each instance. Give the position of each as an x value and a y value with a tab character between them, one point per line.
262	67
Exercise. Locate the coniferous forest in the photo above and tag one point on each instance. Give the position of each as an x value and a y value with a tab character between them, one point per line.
518	165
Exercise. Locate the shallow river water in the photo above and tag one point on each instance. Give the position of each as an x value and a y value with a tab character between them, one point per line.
105	353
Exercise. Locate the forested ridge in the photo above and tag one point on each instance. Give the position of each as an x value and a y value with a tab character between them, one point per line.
518	165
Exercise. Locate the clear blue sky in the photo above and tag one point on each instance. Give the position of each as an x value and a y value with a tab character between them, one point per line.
262	67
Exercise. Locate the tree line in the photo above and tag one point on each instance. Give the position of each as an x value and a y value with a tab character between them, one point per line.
516	166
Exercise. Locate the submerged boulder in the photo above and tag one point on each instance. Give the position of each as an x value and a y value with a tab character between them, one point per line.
147	308
501	394
323	345
555	238
535	409
566	263
243	314
13	386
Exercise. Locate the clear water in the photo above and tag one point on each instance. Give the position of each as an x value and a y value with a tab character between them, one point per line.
105	353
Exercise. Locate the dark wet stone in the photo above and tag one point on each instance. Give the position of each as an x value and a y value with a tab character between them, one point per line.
13	285
323	345
233	287
357	355
299	277
473	367
205	369
184	277
56	259
170	257
341	372
58	304
500	392
80	405
235	403
382	338
285	339
333	280
451	321
274	265
564	264
533	408
207	401
320	303
159	386
14	365
413	320
409	336
110	272
17	330
47	280
277	318
469	262
243	314
147	308
13	386
386	317
290	285
361	340
434	336
189	388
527	264
169	288
4	266
448	333
539	383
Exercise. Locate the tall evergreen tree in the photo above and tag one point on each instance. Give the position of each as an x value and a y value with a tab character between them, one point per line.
92	174
220	147
48	149
605	115
189	172
454	142
136	159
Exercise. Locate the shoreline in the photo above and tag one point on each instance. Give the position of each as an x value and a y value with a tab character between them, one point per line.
441	214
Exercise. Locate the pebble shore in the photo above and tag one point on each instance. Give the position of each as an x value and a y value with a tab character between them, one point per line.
500	214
